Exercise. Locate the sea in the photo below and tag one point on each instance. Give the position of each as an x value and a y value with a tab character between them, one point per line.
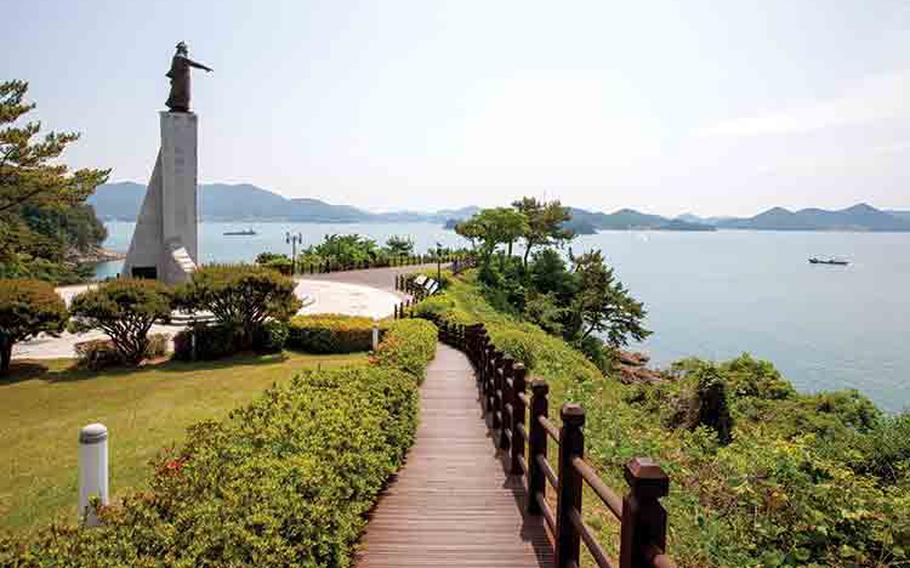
708	294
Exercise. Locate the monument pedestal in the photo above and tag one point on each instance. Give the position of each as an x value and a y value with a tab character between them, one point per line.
165	241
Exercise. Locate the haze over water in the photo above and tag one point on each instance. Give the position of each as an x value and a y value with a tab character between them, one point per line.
712	295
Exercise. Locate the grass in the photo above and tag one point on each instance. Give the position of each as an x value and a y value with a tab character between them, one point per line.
43	405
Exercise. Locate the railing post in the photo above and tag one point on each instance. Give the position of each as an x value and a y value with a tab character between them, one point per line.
571	444
495	362
537	445
644	520
518	417
502	399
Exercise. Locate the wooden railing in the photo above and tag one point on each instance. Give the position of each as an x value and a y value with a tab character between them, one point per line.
330	265
522	427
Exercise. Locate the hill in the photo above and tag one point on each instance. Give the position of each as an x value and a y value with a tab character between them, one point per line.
625	219
246	202
860	217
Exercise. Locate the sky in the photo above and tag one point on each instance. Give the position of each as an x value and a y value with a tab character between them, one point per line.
716	108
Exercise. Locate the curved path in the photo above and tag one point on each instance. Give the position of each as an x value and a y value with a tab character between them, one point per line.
453	504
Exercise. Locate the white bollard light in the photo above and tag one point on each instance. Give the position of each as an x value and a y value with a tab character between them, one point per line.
375	334
92	470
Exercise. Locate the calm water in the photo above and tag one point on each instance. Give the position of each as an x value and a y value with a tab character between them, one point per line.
713	295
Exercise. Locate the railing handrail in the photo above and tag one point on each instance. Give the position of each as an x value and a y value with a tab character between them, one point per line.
502	388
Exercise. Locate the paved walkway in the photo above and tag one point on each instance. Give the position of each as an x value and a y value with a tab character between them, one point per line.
453	505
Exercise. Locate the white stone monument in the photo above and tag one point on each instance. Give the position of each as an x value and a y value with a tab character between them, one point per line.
165	241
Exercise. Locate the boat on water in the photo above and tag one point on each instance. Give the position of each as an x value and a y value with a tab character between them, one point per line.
241	233
835	261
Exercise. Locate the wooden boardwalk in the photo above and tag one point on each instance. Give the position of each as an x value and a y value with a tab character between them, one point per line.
453	504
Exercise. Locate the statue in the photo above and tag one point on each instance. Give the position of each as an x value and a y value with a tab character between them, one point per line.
179	99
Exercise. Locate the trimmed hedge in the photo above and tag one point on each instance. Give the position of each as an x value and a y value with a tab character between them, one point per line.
409	345
213	341
283	481
330	333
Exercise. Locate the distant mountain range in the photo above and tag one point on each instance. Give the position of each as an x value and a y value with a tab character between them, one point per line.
860	217
245	202
625	219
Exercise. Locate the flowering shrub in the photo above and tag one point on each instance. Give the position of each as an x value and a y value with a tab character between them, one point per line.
283	481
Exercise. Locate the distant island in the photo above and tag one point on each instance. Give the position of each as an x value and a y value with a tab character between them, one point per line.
860	217
246	202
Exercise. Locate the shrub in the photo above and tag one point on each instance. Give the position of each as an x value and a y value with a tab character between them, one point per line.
270	337
330	333
409	345
27	308
125	310
157	346
213	341
240	296
280	262
286	480
97	354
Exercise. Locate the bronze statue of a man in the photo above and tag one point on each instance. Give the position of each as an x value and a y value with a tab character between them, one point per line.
179	99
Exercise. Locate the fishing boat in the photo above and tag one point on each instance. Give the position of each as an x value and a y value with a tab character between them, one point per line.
241	233
835	261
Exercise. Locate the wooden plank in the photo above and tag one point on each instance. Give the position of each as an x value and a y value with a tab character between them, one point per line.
454	504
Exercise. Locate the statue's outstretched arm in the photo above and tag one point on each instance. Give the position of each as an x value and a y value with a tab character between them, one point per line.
197	65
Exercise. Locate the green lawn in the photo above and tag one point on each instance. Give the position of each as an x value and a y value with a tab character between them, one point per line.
42	407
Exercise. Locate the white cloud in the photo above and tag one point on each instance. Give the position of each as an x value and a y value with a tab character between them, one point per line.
875	98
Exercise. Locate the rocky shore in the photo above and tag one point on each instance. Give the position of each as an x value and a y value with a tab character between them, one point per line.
632	367
94	255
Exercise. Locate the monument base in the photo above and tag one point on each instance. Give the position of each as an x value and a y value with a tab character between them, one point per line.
165	241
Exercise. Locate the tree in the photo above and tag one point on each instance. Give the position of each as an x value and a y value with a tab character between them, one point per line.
545	223
603	304
38	193
125	310
399	246
501	225
469	229
345	250
240	296
27	308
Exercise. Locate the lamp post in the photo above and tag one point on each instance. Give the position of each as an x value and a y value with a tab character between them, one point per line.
293	240
439	264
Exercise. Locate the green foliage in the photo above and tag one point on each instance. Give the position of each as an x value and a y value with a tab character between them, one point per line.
493	227
345	250
270	337
408	345
280	262
545	223
99	354
27	308
804	480
125	310
399	246
43	216
603	304
330	333
240	296
284	481
212	341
